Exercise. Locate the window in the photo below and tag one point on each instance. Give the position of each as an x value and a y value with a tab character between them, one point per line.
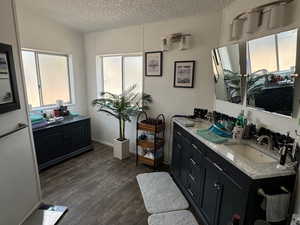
287	43
47	78
121	72
258	57
280	49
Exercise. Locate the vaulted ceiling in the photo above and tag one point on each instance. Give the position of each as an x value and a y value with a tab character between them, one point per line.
92	15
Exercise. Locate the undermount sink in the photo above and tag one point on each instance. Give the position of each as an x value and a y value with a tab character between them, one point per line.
250	153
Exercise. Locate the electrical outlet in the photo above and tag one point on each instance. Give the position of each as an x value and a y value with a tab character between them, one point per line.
295	219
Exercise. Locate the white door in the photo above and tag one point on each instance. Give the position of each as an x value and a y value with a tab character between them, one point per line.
19	182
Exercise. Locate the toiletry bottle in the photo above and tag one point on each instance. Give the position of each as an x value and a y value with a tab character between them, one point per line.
239	127
284	150
241	120
295	147
283	153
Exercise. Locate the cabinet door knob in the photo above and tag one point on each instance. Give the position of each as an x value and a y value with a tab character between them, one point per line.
217	186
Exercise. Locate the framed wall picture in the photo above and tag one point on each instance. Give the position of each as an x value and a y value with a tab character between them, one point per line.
9	98
184	74
153	63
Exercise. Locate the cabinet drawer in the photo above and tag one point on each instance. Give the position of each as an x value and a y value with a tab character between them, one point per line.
193	187
196	154
195	182
198	144
180	132
234	173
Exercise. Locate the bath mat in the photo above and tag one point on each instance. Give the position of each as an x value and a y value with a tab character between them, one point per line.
160	193
182	217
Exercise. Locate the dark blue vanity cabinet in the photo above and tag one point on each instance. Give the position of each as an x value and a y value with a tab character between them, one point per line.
215	188
58	142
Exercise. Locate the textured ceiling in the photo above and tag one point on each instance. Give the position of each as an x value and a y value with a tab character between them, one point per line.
92	15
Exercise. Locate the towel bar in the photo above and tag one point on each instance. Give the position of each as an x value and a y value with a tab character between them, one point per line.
262	192
20	126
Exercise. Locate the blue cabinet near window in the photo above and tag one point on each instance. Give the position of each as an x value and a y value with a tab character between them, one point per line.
61	141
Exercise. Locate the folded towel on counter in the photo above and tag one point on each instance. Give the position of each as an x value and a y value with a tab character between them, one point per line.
211	136
74	114
36	118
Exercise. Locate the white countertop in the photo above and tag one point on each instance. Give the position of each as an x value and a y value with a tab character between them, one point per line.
252	169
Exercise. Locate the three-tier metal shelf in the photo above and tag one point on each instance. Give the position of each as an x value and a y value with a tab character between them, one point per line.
150	140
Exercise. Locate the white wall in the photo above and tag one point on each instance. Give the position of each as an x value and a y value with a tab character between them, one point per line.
147	37
19	182
38	32
278	123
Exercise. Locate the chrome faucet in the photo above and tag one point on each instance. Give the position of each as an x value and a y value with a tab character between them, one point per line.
270	141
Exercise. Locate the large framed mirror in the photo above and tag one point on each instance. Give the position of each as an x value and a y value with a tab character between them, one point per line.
229	67
9	99
271	65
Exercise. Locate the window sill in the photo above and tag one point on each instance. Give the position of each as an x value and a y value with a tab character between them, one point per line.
50	107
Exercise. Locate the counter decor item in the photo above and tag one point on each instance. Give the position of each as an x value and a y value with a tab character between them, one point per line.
122	107
153	63
240	124
151	141
184	74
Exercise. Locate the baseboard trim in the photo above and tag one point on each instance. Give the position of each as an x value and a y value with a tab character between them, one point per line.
103	142
36	206
65	157
111	145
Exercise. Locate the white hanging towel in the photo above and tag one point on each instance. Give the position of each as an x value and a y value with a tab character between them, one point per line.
277	207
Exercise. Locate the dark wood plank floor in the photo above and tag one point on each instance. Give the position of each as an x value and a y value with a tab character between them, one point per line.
97	189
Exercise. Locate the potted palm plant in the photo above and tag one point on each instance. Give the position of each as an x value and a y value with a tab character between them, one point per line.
122	107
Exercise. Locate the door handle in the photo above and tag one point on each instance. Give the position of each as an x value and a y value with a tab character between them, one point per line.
218	167
192	177
193	162
195	147
20	126
190	192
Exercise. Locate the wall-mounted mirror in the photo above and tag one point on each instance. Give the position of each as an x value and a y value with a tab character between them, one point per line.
228	69
271	65
9	99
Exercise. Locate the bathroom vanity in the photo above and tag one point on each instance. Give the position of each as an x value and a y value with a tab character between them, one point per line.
221	180
57	142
